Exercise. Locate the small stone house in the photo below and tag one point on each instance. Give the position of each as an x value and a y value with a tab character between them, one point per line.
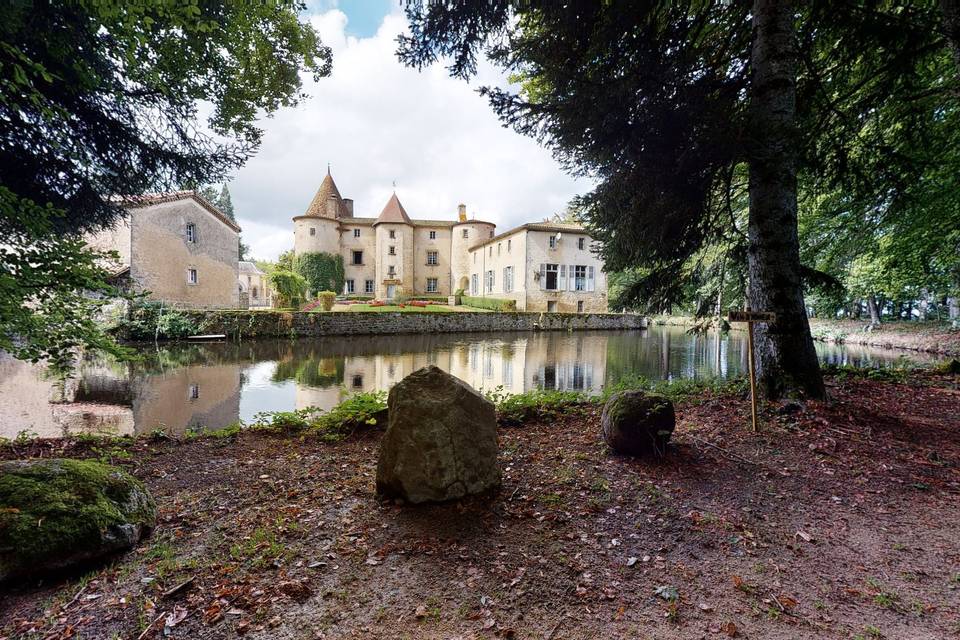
178	248
254	287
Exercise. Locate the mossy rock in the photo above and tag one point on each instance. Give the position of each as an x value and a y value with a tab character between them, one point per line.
638	423
950	367
59	513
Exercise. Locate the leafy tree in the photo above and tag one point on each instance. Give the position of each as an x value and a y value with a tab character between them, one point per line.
289	288
667	103
99	100
225	203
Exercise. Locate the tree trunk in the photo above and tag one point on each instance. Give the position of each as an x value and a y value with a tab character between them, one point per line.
951	27
874	311
786	359
953	304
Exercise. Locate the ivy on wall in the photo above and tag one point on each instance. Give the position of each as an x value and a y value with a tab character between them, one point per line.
322	271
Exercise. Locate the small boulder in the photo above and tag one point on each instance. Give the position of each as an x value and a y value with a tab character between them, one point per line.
57	513
638	423
441	440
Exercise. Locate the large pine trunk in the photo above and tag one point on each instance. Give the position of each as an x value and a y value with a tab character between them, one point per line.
786	359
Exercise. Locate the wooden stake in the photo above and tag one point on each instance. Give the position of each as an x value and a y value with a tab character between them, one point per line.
753	376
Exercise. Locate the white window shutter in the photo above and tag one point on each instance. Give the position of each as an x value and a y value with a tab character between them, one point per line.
590	285
543	276
562	282
572	282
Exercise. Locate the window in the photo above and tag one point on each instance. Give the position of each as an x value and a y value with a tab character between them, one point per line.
191	232
490	281
192	276
431	285
194	391
433	235
392	250
581	242
433	258
348	286
579	277
393	234
356	233
358	381
474	257
255	293
553	242
579	306
466	233
549	276
391	270
490	251
491	233
507	279
313	231
509	241
473	284
358	257
368	286
499	246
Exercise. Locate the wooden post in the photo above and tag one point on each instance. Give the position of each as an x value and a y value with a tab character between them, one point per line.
750	317
753	376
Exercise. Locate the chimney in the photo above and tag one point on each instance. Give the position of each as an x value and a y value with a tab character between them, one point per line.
348	204
332	207
462	212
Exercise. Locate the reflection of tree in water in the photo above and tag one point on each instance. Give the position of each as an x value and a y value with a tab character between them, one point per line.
312	372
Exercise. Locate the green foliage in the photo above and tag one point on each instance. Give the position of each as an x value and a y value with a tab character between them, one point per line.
327	298
515	409
359	411
322	271
154	320
52	288
289	288
494	304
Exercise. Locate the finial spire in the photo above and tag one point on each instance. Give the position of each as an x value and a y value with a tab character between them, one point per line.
328	168
394	186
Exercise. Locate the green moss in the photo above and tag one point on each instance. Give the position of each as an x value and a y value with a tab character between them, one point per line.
63	508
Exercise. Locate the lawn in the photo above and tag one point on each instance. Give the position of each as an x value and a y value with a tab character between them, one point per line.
433	308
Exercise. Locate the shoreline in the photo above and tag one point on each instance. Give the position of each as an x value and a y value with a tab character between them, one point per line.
921	337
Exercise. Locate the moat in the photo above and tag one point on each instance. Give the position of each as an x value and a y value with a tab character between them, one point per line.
209	386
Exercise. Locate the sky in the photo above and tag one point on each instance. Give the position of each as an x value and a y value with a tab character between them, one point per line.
377	123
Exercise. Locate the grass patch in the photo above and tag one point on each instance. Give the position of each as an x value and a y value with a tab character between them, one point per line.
394	308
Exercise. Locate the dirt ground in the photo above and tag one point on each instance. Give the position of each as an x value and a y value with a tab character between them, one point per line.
839	520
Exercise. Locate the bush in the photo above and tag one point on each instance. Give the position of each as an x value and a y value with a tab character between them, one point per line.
288	288
149	320
327	299
494	304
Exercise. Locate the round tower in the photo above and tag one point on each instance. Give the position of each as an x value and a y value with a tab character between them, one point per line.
466	233
395	251
318	229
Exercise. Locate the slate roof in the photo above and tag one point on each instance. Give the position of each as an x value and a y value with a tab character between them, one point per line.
147	199
559	227
394	213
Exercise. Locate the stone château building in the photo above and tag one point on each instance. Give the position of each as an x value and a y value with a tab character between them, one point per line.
542	266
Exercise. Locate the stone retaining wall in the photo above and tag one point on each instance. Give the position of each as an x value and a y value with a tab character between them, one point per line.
252	324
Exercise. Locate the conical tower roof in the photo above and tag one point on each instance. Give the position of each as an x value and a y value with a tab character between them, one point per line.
394	212
328	188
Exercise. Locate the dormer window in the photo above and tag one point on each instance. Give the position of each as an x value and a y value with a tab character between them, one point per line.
191	232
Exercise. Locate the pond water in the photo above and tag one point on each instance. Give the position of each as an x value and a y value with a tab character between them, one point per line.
212	385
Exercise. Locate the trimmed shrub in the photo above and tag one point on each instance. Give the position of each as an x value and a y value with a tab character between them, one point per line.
494	304
327	299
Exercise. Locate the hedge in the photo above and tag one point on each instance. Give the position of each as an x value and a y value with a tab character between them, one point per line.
494	304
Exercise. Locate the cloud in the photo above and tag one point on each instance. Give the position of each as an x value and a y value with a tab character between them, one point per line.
376	122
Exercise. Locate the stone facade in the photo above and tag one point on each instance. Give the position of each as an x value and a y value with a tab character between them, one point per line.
254	283
393	255
549	267
177	247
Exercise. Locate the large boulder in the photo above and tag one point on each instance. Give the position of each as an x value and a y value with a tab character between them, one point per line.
638	423
441	440
57	513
